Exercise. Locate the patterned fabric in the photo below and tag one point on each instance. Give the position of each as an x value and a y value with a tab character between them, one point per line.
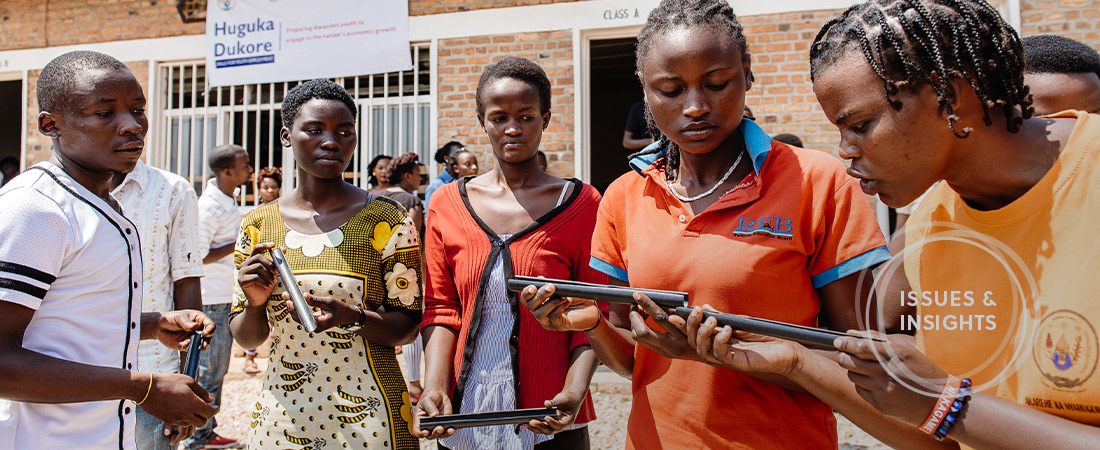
334	389
163	207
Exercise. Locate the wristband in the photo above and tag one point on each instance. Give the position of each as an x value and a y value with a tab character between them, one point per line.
358	325
942	406
956	408
147	390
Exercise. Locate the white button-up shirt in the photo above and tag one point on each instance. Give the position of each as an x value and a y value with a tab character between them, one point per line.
70	257
219	224
165	210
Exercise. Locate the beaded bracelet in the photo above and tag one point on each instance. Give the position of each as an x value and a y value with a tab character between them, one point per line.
942	407
956	408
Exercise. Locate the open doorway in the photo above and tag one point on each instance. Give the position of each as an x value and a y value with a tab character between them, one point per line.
11	102
614	88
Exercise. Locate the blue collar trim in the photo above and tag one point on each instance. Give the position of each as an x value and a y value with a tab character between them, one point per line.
757	142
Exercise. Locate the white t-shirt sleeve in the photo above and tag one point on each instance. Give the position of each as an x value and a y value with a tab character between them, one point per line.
207	226
184	254
37	236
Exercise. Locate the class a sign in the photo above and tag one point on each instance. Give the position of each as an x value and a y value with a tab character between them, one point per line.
260	41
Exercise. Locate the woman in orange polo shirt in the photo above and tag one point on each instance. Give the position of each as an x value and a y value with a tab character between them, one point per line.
717	209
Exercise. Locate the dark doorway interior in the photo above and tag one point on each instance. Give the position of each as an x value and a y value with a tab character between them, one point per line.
11	102
614	88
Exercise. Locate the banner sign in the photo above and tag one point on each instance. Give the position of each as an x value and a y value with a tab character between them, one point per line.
260	41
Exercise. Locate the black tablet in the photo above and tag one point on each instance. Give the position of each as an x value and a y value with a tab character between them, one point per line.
798	333
601	292
191	368
485	419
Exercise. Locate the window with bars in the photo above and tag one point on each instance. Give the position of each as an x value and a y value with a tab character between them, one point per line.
394	117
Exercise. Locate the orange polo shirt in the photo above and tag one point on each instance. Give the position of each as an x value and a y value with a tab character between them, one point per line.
1032	270
796	223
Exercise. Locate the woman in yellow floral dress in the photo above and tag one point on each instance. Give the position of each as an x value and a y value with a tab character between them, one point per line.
357	259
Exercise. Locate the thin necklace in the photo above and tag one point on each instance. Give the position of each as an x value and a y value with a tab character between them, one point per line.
712	188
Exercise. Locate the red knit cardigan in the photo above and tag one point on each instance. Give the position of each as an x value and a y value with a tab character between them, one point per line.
458	253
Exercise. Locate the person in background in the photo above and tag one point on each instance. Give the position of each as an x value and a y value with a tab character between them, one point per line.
219	221
1062	74
403	176
636	135
543	164
442	156
9	168
70	300
403	173
464	163
269	186
748	114
460	163
377	168
788	138
163	207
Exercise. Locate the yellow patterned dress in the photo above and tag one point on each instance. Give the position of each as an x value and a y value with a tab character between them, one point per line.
334	389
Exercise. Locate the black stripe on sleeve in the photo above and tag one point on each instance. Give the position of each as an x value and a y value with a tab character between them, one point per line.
29	272
21	286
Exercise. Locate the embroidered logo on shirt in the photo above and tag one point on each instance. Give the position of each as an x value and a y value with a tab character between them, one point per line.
769	226
1065	349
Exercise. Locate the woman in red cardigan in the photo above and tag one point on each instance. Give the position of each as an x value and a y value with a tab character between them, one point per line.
484	352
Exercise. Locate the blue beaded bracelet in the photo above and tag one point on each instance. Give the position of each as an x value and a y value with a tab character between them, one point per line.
956	408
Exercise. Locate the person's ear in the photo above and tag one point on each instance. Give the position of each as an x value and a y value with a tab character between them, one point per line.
284	137
747	68
47	125
481	121
545	120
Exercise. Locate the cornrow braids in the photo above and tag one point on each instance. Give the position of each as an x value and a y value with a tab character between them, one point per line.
672	14
911	43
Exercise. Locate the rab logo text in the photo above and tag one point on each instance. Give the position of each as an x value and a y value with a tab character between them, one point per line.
776	227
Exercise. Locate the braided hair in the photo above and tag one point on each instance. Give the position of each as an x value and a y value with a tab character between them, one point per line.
910	43
716	15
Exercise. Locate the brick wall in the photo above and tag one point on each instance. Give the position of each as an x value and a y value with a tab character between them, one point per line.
428	7
782	97
39	147
28	24
1075	19
461	62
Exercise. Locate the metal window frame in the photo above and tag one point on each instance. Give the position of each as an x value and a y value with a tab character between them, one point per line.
171	152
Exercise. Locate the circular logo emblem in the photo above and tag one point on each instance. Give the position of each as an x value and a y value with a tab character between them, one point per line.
1065	349
227	5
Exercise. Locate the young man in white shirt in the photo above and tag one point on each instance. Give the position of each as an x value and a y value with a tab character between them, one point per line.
219	225
70	276
164	208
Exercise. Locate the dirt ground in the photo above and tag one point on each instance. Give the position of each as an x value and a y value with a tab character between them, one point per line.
611	393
